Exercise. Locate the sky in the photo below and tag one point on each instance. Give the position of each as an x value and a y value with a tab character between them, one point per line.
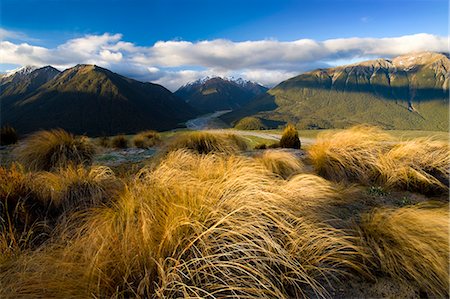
172	42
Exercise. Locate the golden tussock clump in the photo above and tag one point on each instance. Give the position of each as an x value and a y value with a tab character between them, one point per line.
204	143
421	164
412	244
350	154
195	226
48	150
368	155
146	139
76	188
280	162
21	212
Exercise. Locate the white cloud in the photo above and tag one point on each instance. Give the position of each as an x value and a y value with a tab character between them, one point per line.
173	63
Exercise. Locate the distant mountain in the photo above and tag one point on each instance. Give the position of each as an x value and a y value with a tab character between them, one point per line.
90	99
407	92
214	94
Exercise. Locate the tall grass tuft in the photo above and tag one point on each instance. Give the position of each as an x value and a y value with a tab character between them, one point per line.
76	188
8	135
289	138
368	155
350	154
204	143
146	139
21	212
48	150
419	165
411	244
281	163
195	226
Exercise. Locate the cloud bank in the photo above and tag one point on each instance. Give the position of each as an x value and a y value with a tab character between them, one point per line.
174	63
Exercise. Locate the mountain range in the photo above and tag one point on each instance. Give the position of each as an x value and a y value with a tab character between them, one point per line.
212	94
87	99
407	92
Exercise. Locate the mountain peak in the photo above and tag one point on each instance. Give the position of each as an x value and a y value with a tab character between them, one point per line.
237	80
24	70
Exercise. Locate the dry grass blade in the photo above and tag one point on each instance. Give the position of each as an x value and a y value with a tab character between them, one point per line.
412	245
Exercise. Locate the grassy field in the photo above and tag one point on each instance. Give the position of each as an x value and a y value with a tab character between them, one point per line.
355	214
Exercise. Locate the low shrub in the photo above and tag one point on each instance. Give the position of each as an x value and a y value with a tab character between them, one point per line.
119	141
8	135
48	150
250	123
289	138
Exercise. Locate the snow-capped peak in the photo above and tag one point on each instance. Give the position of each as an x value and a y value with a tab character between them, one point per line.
240	81
24	70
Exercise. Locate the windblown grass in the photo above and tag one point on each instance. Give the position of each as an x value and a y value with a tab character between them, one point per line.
351	154
369	155
20	212
204	143
48	150
76	188
196	226
421	164
282	163
411	244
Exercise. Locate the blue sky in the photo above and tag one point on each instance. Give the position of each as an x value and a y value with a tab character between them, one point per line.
50	24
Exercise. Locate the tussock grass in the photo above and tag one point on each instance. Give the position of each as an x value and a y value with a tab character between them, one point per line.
76	188
421	164
195	226
411	244
204	143
8	135
369	155
48	150
281	163
289	138
20	212
119	141
351	154
146	139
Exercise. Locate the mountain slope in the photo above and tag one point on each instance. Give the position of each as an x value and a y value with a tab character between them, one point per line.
407	92
93	100
214	94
